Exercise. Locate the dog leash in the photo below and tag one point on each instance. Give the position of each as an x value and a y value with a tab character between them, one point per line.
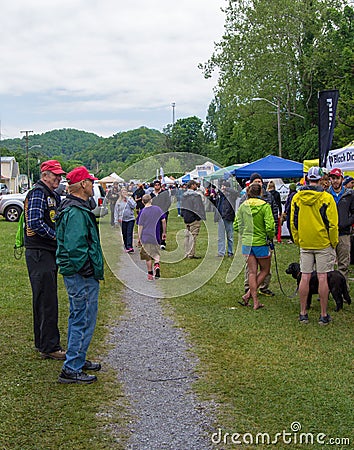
272	247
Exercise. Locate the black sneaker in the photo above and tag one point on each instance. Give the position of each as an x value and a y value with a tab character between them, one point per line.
157	270
324	320
95	367
78	378
266	292
303	318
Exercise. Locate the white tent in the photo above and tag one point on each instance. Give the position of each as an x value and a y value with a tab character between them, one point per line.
167	180
342	158
112	178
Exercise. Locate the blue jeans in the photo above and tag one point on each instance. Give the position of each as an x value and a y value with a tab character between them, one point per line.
83	299
225	226
179	203
127	232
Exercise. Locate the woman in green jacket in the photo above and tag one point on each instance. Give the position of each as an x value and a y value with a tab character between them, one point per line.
255	223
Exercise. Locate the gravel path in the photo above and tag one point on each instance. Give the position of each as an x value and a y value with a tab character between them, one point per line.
157	370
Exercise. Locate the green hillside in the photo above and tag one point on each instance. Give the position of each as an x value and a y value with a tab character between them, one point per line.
72	147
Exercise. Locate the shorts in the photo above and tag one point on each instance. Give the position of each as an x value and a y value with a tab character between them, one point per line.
259	251
320	260
149	252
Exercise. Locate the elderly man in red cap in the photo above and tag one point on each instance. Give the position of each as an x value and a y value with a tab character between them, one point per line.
40	209
344	199
80	261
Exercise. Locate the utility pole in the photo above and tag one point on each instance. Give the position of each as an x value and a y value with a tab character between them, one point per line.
173	112
27	132
279	129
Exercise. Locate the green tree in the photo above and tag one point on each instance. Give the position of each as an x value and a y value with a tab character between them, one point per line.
186	135
278	50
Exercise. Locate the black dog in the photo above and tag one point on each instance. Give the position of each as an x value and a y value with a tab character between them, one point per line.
336	283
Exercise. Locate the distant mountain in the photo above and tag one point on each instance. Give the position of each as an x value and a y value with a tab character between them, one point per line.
65	142
74	146
125	146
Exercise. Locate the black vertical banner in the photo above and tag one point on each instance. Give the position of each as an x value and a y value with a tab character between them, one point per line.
327	107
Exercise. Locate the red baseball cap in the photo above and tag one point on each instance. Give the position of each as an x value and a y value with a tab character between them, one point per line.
79	174
336	172
52	166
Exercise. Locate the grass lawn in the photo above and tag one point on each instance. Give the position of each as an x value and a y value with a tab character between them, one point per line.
36	412
264	368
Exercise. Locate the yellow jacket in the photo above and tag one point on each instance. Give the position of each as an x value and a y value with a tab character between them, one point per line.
314	219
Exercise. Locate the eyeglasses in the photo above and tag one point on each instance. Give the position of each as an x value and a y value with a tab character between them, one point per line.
56	175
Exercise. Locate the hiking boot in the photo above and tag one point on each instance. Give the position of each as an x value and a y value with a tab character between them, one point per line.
266	292
58	355
95	367
324	320
78	378
157	270
303	318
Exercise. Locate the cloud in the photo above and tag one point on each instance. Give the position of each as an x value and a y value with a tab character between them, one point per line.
107	56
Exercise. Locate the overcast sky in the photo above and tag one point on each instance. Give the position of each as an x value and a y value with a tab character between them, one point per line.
104	66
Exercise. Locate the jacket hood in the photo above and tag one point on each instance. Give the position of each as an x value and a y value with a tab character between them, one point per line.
255	206
311	194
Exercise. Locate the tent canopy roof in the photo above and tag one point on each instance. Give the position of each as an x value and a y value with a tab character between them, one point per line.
225	172
111	178
271	167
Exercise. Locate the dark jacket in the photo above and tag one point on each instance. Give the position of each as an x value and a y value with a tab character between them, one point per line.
112	196
162	199
137	196
345	208
225	205
79	249
277	199
192	207
40	222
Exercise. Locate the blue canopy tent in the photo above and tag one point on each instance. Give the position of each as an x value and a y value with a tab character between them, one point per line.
271	167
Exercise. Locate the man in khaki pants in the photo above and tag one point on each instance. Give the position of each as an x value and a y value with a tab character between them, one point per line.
193	212
314	227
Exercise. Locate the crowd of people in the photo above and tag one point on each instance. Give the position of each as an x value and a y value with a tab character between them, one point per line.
63	235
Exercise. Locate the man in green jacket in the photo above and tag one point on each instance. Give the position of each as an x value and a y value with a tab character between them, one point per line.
80	261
